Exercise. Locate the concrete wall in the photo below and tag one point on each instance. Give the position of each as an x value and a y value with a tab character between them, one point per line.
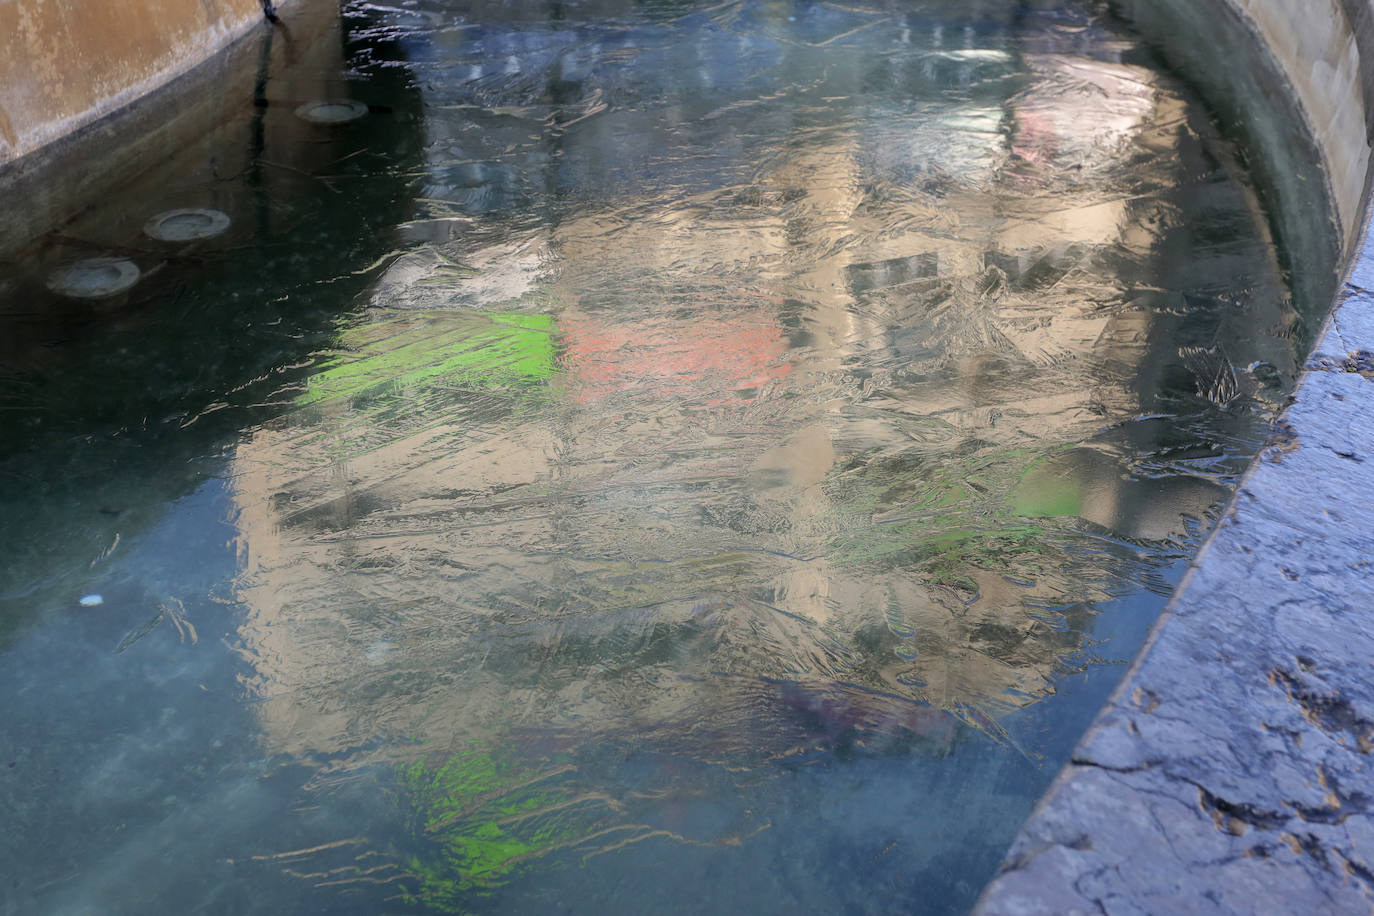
1314	45
1232	770
81	118
1309	85
1260	96
65	63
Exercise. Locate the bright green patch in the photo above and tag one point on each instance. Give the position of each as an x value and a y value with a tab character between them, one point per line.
485	813
421	349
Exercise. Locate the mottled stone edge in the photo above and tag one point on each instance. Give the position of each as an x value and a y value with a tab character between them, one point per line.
1230	772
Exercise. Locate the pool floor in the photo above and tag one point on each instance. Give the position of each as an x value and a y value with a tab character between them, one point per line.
614	457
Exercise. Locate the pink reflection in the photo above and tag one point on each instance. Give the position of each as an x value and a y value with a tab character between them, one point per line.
705	360
1080	113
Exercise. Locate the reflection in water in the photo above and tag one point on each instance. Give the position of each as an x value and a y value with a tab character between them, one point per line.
747	417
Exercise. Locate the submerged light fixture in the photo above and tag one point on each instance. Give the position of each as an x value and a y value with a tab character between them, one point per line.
331	111
186	225
94	278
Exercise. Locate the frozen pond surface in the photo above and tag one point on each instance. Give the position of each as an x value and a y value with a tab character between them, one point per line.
617	458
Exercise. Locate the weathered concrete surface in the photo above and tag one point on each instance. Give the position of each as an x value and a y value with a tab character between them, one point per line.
1231	772
192	115
66	63
1314	44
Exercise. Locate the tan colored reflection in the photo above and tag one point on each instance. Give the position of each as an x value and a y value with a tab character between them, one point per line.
782	443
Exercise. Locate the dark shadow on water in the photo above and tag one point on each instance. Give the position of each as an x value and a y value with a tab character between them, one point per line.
115	408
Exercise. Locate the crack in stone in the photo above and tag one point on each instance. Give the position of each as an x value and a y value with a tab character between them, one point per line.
1361	361
1143	768
1234	817
1357	360
1283	441
1328	602
1340	809
1311	845
1146	699
1357	869
1078	886
1164	831
1332	713
1021	862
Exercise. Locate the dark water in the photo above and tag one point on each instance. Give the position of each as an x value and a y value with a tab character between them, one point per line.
662	457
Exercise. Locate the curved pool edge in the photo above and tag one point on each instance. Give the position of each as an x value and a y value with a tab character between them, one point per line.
65	66
123	107
1228	772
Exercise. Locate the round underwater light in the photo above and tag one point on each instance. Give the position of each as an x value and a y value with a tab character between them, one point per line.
186	225
331	111
94	278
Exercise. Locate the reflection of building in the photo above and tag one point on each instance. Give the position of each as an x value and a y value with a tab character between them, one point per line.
797	406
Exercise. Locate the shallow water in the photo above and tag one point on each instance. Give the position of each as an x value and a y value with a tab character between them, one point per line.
661	457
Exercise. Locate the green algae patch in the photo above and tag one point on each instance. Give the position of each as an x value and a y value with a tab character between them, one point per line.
938	517
1047	490
414	350
485	814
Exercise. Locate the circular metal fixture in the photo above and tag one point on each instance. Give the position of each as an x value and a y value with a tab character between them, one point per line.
331	111
186	225
94	278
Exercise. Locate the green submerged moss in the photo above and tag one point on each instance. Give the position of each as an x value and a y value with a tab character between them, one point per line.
485	814
411	350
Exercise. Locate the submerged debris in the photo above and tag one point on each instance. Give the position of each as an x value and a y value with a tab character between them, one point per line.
331	111
1216	377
